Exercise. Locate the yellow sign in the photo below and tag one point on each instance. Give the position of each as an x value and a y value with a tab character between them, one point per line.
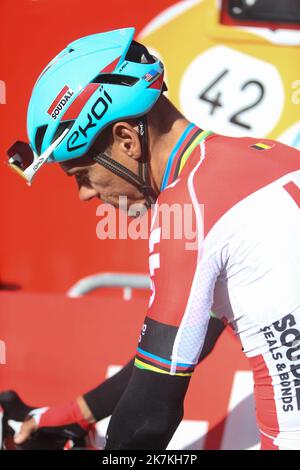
240	81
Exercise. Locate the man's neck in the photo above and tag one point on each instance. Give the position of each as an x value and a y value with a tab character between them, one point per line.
166	124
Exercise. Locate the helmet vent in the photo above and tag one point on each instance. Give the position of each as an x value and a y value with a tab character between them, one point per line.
60	129
139	54
115	79
39	137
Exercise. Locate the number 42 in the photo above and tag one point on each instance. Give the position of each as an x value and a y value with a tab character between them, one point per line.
216	102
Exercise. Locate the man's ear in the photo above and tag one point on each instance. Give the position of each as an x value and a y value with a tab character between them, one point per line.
126	138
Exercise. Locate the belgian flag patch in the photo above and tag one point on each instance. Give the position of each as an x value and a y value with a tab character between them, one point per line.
262	146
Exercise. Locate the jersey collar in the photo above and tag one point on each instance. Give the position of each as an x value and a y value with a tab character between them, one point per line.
174	154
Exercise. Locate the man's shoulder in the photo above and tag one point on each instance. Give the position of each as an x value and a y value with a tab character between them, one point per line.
226	170
248	145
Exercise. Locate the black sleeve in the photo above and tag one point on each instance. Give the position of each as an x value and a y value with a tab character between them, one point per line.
148	413
103	399
214	330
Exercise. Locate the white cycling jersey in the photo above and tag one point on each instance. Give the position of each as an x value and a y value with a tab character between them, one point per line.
245	267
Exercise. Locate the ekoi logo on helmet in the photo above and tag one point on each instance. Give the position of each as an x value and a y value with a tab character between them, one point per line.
60	101
79	138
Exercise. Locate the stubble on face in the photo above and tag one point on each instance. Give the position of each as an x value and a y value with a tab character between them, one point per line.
107	186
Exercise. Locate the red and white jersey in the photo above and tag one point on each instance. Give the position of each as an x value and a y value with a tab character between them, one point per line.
242	196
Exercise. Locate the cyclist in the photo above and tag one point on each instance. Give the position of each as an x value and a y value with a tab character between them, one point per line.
99	110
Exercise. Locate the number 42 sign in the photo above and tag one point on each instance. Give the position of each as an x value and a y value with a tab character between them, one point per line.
232	93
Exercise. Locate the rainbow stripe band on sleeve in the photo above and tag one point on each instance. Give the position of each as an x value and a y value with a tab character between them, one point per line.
148	361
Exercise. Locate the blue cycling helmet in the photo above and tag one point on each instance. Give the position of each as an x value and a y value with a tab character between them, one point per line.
93	82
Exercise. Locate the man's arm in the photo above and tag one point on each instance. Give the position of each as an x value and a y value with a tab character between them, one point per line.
101	401
151	409
148	413
93	406
172	338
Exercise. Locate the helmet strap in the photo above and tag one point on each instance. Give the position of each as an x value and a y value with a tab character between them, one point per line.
140	181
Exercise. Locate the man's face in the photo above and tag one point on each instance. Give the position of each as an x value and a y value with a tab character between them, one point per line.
95	181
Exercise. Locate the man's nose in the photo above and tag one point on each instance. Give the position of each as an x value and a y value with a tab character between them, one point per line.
86	193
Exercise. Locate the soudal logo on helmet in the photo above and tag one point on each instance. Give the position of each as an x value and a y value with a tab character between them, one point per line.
60	102
79	138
